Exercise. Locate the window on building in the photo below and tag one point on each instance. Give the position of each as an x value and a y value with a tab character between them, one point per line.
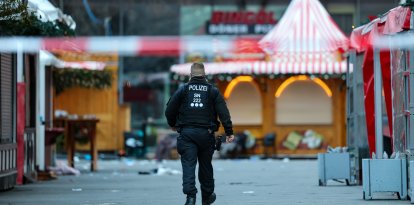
245	104
303	102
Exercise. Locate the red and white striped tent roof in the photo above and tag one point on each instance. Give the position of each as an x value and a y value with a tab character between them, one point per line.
305	41
306	27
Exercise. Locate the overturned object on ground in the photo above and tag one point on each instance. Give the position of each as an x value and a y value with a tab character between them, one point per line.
292	141
63	169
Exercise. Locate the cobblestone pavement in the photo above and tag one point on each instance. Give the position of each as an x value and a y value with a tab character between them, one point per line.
238	182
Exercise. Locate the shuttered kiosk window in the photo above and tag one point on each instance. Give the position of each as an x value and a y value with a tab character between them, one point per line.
6	91
304	102
244	101
8	147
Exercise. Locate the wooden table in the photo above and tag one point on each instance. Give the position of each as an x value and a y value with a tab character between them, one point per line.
86	128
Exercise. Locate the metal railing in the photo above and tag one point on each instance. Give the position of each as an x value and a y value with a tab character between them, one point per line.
8	165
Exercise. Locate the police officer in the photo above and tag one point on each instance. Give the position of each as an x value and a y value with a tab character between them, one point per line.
193	111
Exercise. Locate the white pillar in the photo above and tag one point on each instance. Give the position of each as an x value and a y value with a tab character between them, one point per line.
19	63
40	110
379	144
410	134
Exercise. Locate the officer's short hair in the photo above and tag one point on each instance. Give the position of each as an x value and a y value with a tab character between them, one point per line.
197	70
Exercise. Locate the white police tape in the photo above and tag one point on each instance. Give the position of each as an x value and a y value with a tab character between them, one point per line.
166	45
125	45
400	41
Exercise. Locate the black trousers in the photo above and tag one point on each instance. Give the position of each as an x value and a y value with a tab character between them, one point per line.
196	144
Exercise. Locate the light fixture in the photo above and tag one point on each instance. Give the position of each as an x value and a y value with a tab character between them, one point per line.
234	82
293	79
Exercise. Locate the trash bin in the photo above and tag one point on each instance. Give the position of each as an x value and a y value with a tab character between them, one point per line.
135	144
50	144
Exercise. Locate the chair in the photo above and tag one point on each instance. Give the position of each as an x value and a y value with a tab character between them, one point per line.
269	142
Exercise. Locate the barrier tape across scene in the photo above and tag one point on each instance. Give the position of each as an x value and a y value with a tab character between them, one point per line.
157	46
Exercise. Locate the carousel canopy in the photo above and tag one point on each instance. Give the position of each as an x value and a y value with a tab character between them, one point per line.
306	27
305	41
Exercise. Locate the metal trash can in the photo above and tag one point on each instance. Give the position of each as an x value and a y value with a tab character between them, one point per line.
135	144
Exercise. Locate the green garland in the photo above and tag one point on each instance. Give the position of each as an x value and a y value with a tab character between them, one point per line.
64	79
16	20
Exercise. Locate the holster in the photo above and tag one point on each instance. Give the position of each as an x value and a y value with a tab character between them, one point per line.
219	141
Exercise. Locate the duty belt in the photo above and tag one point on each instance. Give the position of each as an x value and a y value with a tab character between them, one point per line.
194	126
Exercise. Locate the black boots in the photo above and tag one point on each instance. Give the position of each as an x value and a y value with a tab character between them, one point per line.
210	199
191	200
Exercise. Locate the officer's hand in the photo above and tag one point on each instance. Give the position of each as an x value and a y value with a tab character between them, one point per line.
230	138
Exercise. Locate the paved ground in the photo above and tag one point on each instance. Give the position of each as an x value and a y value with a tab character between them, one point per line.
238	182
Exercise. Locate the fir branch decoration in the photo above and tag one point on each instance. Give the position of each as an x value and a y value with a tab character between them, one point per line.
12	10
16	20
64	79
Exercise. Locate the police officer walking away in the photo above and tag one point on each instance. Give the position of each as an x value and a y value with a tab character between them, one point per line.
193	111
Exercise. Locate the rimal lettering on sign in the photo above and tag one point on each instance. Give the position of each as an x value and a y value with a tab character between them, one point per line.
198	87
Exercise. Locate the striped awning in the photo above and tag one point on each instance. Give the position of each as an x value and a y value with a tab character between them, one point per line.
267	68
50	59
87	65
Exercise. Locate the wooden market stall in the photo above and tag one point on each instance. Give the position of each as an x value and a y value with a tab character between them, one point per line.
114	119
297	90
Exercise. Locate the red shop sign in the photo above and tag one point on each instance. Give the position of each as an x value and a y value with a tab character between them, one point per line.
242	17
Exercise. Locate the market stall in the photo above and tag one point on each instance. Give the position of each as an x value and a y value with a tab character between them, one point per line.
296	89
386	71
80	92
